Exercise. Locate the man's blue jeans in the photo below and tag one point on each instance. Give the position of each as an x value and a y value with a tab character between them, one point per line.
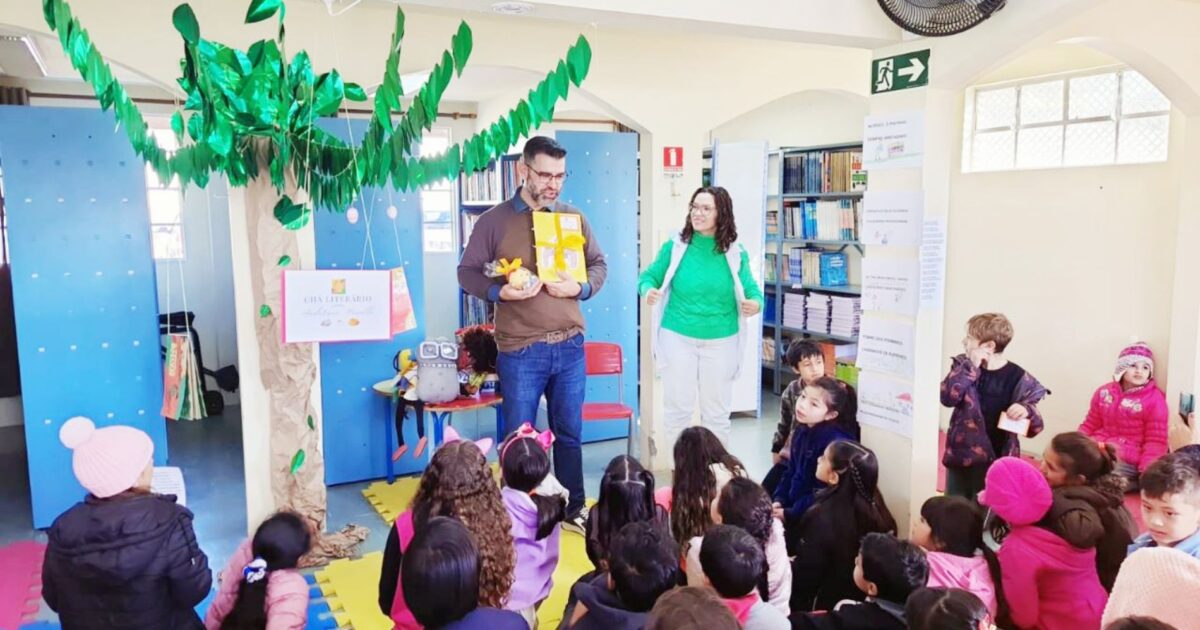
558	371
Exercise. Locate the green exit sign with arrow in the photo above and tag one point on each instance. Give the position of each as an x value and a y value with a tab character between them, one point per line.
901	72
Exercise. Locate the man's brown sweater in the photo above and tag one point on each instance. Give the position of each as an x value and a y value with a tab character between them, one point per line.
506	231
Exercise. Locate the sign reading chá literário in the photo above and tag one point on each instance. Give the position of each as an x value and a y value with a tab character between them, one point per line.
332	305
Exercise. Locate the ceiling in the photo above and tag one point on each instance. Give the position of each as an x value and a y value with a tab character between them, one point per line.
40	58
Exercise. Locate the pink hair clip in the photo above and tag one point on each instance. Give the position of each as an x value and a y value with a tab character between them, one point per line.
544	438
451	435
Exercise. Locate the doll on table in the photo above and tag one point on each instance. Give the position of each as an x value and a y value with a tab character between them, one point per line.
406	396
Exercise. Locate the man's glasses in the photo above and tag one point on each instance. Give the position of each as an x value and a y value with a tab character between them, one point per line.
557	178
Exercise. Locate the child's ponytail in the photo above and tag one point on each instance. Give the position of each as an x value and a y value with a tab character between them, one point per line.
956	525
278	544
524	466
857	488
1092	460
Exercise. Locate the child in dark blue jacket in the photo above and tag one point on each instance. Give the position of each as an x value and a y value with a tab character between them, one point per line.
825	413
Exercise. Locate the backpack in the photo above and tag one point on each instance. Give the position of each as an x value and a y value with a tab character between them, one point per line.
437	371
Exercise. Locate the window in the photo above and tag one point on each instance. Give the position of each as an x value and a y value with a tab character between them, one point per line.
165	200
1087	119
437	199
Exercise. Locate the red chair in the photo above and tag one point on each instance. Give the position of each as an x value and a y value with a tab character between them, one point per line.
604	359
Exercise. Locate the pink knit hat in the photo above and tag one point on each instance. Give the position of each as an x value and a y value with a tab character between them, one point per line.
1016	491
107	461
1134	353
1158	582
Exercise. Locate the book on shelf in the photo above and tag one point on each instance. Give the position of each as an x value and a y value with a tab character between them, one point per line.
772	222
508	177
469	219
845	315
794	315
476	311
823	219
817	172
770	265
817	267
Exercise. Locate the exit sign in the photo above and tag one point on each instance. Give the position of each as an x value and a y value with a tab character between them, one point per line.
892	74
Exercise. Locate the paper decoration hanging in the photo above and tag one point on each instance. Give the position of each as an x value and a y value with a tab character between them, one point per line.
404	318
558	239
241	104
183	398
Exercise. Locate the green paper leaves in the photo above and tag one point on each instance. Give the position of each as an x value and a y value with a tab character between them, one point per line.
579	60
311	425
284	261
292	216
297	461
264	311
185	22
260	10
355	92
461	44
328	93
177	125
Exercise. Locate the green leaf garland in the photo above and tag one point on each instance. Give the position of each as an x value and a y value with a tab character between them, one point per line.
242	105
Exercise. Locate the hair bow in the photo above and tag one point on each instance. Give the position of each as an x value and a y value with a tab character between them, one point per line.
451	435
544	438
255	571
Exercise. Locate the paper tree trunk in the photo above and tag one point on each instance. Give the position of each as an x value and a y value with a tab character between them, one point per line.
288	373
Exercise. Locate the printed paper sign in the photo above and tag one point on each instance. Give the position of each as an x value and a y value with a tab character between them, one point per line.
886	403
886	345
894	141
933	263
892	218
404	318
334	305
890	284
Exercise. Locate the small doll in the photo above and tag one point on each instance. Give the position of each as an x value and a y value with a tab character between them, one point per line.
477	373
406	396
518	277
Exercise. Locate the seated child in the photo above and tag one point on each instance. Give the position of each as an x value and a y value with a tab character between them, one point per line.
440	578
123	558
830	532
1089	500
261	585
1139	623
1159	582
734	564
887	570
946	609
950	530
691	608
1048	583
805	358
702	467
1171	505
745	504
825	413
981	387
643	563
626	496
1130	412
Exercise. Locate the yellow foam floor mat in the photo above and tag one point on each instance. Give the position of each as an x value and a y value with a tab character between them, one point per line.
390	500
352	589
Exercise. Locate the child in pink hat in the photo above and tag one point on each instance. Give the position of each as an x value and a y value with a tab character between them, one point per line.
1130	412
123	557
1048	584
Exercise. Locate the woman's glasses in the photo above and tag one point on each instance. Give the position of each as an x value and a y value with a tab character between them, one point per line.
702	211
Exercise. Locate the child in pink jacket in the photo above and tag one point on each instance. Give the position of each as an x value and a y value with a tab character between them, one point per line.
1048	584
261	581
1131	414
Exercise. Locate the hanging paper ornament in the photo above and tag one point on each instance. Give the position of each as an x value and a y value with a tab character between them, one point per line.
352	215
392	212
297	461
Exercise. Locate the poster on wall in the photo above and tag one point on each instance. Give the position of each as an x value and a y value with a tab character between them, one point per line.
886	345
332	305
890	285
892	218
885	403
404	318
894	141
933	263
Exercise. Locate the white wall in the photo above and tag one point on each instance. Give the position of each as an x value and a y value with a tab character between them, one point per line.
1082	260
804	119
205	276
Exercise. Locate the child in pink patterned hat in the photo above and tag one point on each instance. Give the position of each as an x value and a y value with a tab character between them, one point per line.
1130	413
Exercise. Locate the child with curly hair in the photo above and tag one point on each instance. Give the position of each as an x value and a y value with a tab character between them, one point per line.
458	483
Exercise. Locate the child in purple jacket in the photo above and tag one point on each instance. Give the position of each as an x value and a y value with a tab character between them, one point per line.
536	503
984	388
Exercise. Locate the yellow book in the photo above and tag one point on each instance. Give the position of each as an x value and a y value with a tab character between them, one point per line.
558	239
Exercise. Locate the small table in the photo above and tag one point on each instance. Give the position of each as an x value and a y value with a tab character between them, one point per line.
440	412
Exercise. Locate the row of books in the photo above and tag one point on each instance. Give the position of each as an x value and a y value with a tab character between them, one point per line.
816	172
467	226
820	220
816	266
508	178
476	311
823	313
480	186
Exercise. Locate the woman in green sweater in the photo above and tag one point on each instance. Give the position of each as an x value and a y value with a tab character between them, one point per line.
701	289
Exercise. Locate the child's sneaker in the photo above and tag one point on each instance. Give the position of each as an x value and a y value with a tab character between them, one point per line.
578	522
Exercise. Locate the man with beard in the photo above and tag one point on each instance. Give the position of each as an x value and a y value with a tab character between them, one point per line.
539	329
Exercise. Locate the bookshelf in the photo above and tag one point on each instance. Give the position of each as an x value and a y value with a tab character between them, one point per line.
477	192
813	220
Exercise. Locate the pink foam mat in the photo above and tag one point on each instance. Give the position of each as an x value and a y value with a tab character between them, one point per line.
20	582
